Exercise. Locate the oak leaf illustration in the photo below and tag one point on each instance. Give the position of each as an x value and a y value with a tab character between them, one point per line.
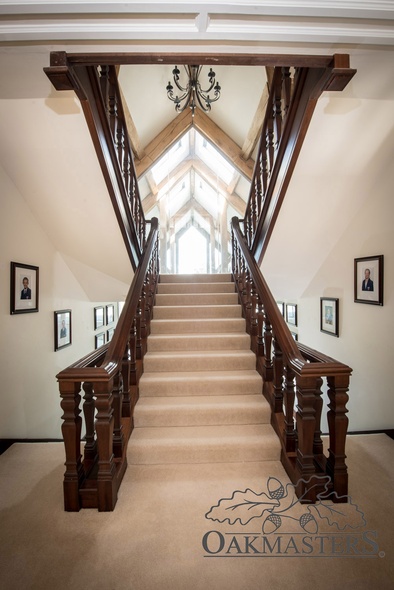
342	516
242	507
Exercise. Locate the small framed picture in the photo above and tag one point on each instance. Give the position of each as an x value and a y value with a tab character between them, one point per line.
291	314
24	288
281	307
329	315
294	335
110	333
98	317
99	339
62	328
110	311
368	280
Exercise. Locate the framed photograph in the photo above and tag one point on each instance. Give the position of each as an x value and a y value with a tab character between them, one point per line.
329	315
98	317
368	280
281	307
110	314
99	339
62	328
294	335
291	314
24	288
110	333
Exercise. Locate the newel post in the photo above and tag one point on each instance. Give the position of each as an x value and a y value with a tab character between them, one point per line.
306	425
336	468
71	430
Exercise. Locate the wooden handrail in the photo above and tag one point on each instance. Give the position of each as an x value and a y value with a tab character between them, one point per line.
288	370
109	377
293	96
99	94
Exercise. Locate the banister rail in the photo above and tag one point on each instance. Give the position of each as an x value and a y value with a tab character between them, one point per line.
292	99
109	377
293	373
98	91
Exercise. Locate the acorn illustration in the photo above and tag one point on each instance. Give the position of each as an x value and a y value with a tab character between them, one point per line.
308	523
275	488
271	524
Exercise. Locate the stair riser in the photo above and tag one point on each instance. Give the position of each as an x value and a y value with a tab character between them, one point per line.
202	326
202	363
197	299
198	343
196	312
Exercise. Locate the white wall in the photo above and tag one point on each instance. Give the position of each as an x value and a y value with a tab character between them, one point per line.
29	394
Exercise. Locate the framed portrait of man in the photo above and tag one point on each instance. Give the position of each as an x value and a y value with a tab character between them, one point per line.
368	280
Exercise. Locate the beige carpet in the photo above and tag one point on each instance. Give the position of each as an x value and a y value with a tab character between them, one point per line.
153	539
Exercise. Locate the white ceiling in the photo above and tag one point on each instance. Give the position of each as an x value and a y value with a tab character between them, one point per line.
46	150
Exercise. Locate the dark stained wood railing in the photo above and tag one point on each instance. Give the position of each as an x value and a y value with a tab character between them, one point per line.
109	378
293	96
98	91
293	373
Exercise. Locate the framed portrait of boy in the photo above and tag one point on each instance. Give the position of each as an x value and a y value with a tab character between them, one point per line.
24	288
62	328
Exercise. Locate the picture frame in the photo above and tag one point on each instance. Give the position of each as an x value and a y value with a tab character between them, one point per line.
294	336
98	317
63	329
99	340
281	307
110	333
291	314
368	280
329	315
24	288
110	314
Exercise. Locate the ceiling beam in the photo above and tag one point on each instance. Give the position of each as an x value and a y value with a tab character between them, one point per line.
227	147
131	128
206	173
254	132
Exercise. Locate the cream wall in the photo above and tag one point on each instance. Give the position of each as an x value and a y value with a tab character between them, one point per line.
29	395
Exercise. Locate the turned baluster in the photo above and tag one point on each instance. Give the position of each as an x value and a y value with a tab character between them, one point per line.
268	369
90	449
270	142
286	90
126	401
277	111
305	417
103	72
253	318
248	301
133	389
260	327
317	441
259	190
118	438
253	208
289	398
337	426
106	489
120	147
138	330
143	322
277	377
71	430
264	174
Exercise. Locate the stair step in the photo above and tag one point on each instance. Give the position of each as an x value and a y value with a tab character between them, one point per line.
197	299
173	342
195	278
200	383
167	288
203	444
201	411
163	312
197	326
218	360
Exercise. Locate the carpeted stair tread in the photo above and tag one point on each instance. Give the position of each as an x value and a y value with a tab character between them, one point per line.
202	325
172	342
195	278
201	410
168	288
200	383
203	444
196	311
180	299
209	360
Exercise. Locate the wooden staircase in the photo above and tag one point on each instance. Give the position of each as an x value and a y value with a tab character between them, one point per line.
200	394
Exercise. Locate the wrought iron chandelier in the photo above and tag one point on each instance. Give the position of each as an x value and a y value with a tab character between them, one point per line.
192	94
